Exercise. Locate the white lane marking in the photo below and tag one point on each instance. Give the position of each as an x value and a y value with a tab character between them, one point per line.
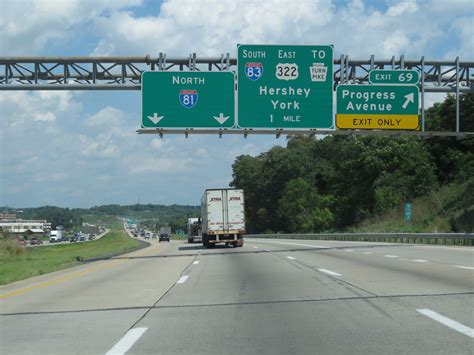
391	256
449	248
348	250
255	247
461	328
196	262
182	279
303	245
367	252
127	341
419	260
290	257
329	272
465	267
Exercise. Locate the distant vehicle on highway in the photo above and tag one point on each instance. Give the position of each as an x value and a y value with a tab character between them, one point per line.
164	237
82	238
223	221
73	239
36	241
92	237
194	230
147	236
154	236
55	236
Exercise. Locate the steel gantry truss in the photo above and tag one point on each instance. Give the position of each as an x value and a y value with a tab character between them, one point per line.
124	73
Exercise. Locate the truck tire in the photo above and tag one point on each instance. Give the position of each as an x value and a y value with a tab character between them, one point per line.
205	242
190	240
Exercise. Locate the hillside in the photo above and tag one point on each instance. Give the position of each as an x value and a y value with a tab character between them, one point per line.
448	209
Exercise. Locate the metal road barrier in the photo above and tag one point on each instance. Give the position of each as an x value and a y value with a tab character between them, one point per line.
410	238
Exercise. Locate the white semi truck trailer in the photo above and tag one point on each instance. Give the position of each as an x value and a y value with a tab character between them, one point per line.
223	217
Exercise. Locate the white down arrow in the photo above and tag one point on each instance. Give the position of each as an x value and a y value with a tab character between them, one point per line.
221	118
155	118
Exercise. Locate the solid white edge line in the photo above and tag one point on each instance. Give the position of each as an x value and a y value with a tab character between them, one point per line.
290	257
329	272
195	262
126	342
391	256
461	328
182	279
465	267
419	260
348	250
367	252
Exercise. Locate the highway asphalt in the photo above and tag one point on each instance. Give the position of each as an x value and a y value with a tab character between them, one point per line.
269	297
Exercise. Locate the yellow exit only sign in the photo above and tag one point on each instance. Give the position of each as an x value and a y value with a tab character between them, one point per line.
376	121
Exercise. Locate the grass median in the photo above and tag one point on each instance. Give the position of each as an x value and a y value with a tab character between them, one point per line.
18	263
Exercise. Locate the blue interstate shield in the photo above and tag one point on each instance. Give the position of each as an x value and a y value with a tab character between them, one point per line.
253	71
188	98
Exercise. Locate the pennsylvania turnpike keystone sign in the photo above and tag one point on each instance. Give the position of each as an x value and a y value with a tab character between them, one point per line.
285	86
188	99
377	107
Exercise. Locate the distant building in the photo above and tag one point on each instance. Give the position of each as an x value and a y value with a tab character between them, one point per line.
20	226
7	216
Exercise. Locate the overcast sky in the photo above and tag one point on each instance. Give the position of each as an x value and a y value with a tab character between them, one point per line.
80	149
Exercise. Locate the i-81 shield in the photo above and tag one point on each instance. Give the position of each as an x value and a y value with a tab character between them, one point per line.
188	98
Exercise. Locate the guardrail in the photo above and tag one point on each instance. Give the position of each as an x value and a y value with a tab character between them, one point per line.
410	238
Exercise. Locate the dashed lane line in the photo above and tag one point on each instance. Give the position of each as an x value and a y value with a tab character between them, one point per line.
391	256
297	244
329	272
450	323
290	257
419	260
182	279
464	267
195	262
127	341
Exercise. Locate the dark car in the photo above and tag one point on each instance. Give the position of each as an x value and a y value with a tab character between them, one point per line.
92	237
73	239
36	241
163	237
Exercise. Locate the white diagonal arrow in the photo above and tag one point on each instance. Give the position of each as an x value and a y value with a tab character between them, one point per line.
155	118
409	98
221	118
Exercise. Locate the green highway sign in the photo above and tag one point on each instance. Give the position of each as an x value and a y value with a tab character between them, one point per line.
386	76
408	207
285	86
377	107
188	99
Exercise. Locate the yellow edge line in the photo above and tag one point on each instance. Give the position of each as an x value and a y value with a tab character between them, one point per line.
64	278
58	280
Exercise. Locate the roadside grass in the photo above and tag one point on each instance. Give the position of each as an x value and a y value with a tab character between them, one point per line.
31	262
448	209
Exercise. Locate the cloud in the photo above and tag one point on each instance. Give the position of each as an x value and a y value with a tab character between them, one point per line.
108	117
210	28
28	26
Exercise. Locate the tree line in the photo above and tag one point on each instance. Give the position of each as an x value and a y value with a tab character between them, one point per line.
315	185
